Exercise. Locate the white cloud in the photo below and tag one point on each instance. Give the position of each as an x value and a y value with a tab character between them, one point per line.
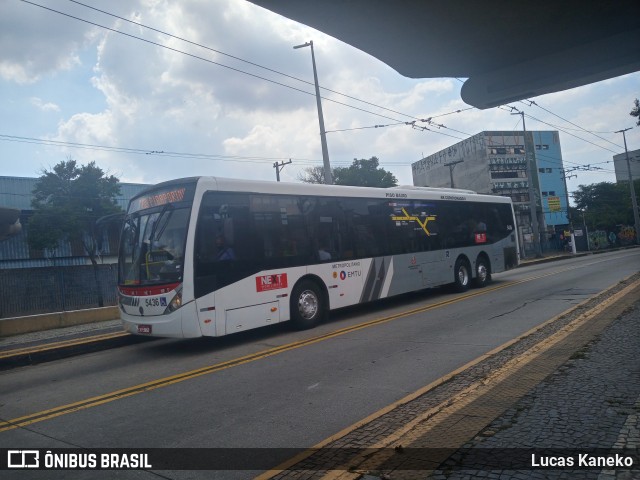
45	107
35	43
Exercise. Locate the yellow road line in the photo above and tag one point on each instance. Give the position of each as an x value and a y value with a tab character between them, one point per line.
166	381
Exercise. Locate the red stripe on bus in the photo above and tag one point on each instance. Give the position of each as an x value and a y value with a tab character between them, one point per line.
141	291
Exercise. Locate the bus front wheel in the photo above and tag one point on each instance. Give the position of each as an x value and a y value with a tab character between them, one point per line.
462	275
307	305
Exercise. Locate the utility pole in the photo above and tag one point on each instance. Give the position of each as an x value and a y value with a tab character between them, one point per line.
280	166
451	165
634	202
533	210
328	178
566	191
586	231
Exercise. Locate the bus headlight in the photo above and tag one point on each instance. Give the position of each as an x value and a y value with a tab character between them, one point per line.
176	303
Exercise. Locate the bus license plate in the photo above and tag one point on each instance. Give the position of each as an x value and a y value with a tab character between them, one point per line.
146	329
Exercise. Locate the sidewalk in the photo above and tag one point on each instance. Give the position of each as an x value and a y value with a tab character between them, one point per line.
554	256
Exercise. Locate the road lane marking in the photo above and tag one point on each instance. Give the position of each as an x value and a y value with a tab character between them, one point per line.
173	379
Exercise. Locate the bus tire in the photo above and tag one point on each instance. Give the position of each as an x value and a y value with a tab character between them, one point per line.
307	305
462	275
483	272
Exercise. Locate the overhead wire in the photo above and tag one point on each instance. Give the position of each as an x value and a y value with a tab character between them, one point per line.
560	128
172	154
138	151
574	124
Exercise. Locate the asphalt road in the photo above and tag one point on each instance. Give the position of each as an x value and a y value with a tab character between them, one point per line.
277	388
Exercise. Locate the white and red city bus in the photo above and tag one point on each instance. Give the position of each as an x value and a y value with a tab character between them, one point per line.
213	256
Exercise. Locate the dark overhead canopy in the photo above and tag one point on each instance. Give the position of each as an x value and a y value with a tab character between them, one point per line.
508	50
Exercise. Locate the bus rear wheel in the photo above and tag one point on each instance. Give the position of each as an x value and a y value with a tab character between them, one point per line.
462	275
483	273
307	305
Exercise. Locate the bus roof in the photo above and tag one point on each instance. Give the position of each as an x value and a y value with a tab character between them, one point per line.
399	192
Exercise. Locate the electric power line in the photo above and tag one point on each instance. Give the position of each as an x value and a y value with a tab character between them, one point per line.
172	154
575	125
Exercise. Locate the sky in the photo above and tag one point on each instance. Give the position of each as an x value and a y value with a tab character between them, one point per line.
149	107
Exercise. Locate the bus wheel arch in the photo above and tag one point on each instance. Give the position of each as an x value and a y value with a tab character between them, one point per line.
462	274
309	302
482	271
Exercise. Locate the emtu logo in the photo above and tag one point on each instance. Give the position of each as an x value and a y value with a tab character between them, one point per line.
23	459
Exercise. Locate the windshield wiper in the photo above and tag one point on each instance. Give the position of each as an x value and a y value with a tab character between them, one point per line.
161	218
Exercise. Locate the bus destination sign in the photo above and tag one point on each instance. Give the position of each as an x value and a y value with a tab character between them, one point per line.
157	199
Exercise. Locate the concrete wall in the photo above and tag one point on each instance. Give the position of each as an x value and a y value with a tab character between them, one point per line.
49	321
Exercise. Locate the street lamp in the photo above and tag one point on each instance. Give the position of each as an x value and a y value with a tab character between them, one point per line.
328	178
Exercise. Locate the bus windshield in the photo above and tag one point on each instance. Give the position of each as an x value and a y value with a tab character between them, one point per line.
152	246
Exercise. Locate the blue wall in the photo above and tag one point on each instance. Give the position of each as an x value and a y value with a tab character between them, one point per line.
549	162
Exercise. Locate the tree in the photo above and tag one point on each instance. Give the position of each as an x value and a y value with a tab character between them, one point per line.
361	173
364	173
605	204
67	202
635	112
312	175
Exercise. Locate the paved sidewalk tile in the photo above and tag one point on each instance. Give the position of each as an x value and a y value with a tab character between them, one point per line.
592	401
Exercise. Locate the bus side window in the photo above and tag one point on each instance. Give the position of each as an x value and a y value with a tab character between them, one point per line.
362	227
279	230
205	247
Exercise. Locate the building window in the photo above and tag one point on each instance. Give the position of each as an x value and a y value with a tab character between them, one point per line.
549	170
504	175
541	170
506	150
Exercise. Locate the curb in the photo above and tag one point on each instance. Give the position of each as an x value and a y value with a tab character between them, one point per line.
47	353
553	258
12	326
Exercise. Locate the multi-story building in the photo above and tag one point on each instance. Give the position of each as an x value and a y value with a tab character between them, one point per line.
495	162
622	170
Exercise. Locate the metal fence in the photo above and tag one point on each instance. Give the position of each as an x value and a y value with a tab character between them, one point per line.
29	291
